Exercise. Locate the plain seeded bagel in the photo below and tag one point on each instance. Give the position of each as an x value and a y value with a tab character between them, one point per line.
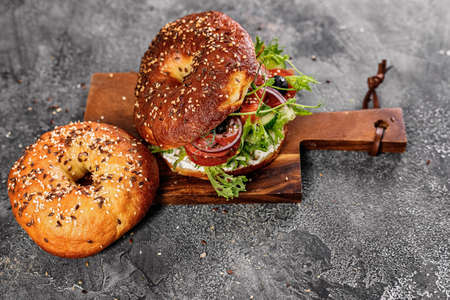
196	72
81	186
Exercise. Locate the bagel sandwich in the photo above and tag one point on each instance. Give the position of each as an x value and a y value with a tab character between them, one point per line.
214	104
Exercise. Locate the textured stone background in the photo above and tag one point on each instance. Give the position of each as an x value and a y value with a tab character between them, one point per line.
368	228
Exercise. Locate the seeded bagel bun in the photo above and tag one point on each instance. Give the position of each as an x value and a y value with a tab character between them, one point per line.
196	71
81	186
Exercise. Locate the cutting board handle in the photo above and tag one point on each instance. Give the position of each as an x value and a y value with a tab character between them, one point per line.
348	130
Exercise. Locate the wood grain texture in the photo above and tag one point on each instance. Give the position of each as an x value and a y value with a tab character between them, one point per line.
111	99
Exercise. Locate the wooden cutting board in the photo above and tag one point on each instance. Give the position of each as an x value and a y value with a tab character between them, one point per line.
111	100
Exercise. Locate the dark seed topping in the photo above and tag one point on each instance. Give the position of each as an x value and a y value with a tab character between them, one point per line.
100	204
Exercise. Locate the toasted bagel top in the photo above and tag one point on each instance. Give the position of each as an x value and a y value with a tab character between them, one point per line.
195	72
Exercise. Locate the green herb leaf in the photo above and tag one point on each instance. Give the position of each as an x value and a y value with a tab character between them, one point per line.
270	55
156	149
300	111
226	185
300	82
182	154
259	46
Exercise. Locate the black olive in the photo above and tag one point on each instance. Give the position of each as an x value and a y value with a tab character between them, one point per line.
281	82
222	128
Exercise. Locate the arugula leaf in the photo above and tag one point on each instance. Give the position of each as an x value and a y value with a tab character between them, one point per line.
245	131
182	154
270	55
300	82
300	111
226	185
254	137
286	114
259	46
156	149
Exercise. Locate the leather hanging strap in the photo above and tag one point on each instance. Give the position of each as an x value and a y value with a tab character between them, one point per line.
373	82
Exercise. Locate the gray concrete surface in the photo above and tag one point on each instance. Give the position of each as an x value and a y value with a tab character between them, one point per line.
368	228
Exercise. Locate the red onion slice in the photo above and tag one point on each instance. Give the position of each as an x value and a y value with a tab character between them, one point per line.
276	94
238	122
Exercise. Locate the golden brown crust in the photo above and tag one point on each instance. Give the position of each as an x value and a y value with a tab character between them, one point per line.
194	74
241	171
66	218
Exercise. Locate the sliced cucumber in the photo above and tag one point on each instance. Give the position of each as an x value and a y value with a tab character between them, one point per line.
269	119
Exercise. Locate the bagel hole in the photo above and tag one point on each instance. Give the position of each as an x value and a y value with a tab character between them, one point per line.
177	66
85	180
